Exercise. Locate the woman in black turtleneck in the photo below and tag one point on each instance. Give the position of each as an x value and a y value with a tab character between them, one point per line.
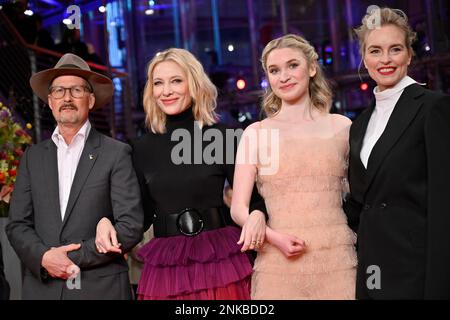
182	165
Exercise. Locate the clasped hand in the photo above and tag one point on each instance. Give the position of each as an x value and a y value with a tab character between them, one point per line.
58	264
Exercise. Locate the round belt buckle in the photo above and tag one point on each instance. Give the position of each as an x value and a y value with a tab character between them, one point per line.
190	222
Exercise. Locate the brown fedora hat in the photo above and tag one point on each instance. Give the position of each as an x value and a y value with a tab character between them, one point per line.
73	65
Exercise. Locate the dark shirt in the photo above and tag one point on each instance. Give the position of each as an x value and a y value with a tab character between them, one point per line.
167	187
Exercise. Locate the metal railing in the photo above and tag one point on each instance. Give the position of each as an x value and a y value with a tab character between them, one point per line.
19	60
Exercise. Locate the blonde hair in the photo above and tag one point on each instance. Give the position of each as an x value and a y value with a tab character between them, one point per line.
319	89
385	16
201	89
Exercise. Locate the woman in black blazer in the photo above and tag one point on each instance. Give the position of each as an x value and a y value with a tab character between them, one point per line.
399	172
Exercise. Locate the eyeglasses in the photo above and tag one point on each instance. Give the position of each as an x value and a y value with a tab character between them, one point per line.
75	91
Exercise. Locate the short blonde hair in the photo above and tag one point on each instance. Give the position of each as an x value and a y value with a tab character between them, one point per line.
319	89
201	89
387	16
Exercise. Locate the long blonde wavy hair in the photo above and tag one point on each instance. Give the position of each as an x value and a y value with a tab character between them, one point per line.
201	89
319	90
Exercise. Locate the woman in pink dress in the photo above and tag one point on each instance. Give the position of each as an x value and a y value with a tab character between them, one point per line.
298	157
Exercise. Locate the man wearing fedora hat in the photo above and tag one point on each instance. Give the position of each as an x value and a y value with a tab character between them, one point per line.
65	185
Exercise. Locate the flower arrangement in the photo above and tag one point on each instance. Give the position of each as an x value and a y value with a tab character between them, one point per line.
13	140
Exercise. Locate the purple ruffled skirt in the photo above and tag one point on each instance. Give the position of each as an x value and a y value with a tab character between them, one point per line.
207	266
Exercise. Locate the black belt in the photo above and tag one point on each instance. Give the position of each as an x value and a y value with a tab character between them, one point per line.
189	222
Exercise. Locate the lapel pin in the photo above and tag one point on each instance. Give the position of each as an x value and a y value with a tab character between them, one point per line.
91	157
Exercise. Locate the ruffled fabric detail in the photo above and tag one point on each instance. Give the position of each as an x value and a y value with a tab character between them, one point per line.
208	246
304	198
321	156
316	274
337	285
322	237
234	291
300	184
181	265
307	217
271	260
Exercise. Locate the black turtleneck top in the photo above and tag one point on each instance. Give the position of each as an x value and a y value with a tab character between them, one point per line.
168	187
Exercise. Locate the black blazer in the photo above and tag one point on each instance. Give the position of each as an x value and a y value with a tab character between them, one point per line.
400	205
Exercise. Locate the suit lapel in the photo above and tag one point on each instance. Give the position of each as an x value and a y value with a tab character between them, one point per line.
404	112
87	161
50	167
358	133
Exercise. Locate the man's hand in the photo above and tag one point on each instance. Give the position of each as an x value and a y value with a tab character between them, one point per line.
56	262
